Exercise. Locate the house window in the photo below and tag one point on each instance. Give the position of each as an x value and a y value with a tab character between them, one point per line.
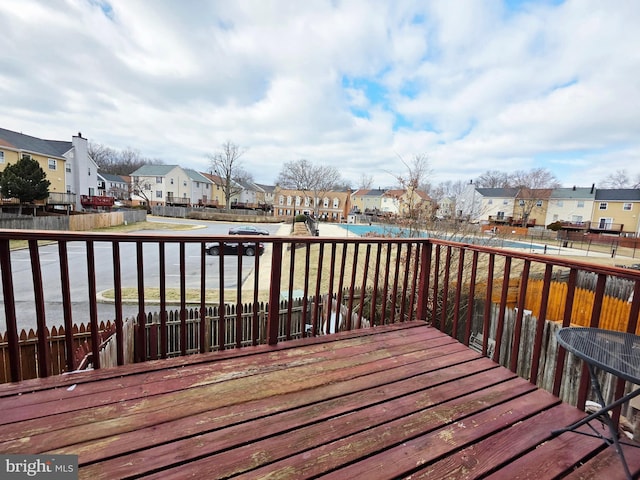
580	204
67	168
490	202
325	202
627	207
288	201
603	206
560	203
297	201
26	156
1	157
89	171
184	184
281	201
505	202
171	181
158	193
307	201
336	202
521	203
53	164
539	203
158	179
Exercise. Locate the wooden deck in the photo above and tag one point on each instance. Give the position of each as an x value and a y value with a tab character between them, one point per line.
388	402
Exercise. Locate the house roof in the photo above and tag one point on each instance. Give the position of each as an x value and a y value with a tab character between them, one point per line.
109	177
19	141
196	176
214	178
498	192
619	194
150	170
267	188
588	193
534	193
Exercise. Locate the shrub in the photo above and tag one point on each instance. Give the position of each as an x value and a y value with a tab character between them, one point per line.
300	218
555	226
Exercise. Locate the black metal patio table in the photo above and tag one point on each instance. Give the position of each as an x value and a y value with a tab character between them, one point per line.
615	352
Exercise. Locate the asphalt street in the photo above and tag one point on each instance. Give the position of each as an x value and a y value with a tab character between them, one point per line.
50	261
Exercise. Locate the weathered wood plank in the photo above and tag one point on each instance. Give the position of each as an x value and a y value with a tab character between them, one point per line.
553	458
121	416
51	388
93	376
607	464
375	443
512	443
402	459
372	386
178	379
376	403
306	427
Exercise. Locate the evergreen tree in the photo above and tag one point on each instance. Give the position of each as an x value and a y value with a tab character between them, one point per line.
25	180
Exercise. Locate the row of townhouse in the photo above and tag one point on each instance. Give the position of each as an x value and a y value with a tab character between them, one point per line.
174	185
391	202
611	211
76	184
336	206
72	173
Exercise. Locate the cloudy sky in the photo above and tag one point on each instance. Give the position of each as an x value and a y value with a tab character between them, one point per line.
473	85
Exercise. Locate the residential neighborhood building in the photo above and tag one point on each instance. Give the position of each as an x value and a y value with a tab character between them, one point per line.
199	187
216	199
530	208
571	207
485	205
616	211
154	185
367	201
113	186
70	170
333	206
269	194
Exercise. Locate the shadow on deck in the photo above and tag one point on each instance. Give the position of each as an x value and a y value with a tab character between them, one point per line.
387	402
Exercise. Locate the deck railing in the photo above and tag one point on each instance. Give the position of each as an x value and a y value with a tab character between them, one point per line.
480	295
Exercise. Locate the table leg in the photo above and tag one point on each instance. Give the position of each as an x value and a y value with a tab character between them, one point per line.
595	384
603	413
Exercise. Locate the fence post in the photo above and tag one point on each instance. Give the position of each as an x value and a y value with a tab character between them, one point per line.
273	319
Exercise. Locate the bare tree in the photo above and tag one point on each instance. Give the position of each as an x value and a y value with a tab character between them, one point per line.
619	179
226	165
417	208
143	189
366	181
313	180
118	162
535	186
493	179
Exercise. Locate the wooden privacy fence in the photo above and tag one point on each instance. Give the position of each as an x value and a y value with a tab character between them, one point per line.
59	361
614	315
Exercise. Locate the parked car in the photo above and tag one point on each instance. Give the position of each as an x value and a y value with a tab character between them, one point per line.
231	248
248	230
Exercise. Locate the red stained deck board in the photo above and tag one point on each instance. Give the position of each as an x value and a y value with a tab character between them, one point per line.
260	357
307	427
376	403
511	444
122	414
141	370
376	443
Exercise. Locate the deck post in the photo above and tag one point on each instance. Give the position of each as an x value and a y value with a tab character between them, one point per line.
273	320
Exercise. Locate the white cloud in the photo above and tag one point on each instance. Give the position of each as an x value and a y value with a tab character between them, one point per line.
474	85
